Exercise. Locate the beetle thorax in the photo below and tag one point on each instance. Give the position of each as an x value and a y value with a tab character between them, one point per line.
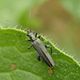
32	36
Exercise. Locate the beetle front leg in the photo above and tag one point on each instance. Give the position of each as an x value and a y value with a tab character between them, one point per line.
41	38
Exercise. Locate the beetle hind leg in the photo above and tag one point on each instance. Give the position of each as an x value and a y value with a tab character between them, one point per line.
38	57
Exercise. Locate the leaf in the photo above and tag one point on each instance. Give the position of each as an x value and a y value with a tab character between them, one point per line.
17	62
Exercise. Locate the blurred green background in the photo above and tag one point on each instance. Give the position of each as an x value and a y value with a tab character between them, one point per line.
59	20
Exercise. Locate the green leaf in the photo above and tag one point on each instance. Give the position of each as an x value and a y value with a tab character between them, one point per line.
17	62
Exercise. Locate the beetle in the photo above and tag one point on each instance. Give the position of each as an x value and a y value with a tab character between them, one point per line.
39	46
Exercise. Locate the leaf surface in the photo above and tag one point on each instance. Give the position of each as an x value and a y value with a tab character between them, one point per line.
17	62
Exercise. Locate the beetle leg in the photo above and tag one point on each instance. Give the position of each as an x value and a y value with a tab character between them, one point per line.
29	47
48	46
28	40
39	37
35	34
51	50
38	57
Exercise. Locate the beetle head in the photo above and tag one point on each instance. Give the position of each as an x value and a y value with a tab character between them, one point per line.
32	35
